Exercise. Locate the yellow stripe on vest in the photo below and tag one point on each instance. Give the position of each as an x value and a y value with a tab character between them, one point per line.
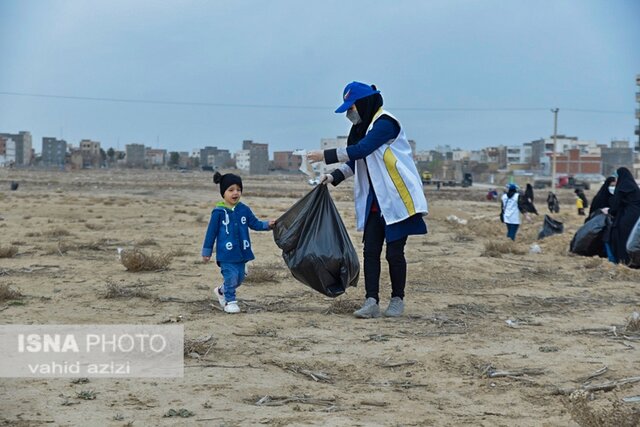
390	162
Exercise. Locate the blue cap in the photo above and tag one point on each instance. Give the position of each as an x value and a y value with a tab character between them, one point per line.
352	92
512	187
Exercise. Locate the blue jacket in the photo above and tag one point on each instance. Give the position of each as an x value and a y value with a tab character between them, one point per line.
230	227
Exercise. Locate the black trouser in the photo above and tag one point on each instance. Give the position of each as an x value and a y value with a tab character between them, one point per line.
373	240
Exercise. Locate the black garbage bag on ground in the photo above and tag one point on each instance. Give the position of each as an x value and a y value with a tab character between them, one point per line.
14	185
550	227
588	240
315	244
633	245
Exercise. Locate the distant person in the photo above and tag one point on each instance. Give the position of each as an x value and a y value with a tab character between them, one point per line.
603	197
229	225
552	203
492	194
625	210
438	185
511	208
388	194
579	192
579	205
527	201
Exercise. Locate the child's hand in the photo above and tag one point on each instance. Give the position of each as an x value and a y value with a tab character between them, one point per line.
206	259
272	224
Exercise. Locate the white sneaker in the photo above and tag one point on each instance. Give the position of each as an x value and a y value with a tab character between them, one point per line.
218	292
232	307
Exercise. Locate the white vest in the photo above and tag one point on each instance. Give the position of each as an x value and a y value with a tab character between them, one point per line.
394	177
510	207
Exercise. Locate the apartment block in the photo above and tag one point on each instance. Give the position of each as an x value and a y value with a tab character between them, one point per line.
258	157
54	151
286	161
23	147
135	157
573	162
214	157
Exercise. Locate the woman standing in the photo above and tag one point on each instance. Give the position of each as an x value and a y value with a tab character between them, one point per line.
527	202
603	197
388	194
511	208
625	210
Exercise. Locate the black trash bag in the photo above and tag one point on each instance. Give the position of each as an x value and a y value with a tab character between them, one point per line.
315	244
550	227
633	245
588	240
14	186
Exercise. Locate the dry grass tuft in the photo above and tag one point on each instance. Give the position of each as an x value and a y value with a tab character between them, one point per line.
633	323
495	249
137	260
179	252
592	263
201	346
557	244
7	293
91	226
343	306
611	412
147	242
462	237
263	274
56	232
8	251
113	290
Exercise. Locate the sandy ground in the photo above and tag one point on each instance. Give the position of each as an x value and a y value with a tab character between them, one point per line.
493	335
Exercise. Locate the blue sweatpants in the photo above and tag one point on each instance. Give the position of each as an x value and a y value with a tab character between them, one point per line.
512	230
233	274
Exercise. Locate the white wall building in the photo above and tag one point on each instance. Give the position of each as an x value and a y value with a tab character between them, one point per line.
460	155
518	154
243	160
10	153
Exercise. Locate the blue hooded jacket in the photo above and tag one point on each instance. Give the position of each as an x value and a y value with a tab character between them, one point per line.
230	227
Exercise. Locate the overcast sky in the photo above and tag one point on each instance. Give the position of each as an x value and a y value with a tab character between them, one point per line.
184	74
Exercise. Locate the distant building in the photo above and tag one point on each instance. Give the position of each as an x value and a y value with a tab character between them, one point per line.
155	157
184	160
135	157
214	157
412	144
54	151
23	147
90	151
243	160
286	161
619	154
258	157
460	155
573	162
7	152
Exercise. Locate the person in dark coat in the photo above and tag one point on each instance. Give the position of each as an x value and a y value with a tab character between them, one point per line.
625	210
552	203
527	200
603	197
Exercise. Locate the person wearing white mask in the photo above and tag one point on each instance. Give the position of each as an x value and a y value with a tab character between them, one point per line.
602	199
389	198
